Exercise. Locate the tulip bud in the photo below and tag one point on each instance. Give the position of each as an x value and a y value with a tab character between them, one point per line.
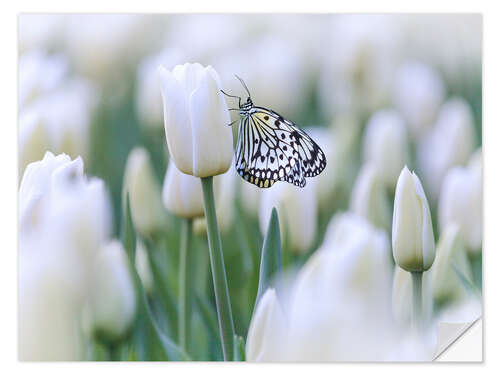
111	304
140	183
267	329
369	199
450	143
297	213
196	119
418	94
385	144
144	267
460	202
182	194
412	235
450	254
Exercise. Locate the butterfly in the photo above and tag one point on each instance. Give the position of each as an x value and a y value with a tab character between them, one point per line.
271	148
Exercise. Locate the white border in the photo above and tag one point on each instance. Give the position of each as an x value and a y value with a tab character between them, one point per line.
8	106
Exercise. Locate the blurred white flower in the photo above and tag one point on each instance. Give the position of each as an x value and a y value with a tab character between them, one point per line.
64	220
144	267
450	143
102	45
267	74
196	120
148	96
267	329
402	296
66	115
50	296
39	73
40	31
297	213
369	198
250	197
461	202
412	235
38	183
357	76
365	255
450	254
33	139
418	93
385	144
111	304
338	306
182	193
144	192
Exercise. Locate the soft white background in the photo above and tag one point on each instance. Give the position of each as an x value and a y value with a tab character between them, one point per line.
8	173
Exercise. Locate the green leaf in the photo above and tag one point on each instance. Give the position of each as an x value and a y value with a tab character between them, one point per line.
127	232
468	286
239	348
270	261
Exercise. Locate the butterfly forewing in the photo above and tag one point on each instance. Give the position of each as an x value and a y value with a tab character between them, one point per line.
271	148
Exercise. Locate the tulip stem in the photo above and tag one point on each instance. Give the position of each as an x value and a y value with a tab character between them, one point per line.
221	289
416	278
185	285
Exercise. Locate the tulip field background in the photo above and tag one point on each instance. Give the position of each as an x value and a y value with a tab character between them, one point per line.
376	92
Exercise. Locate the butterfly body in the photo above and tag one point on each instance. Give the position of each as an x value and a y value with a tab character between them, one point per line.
271	148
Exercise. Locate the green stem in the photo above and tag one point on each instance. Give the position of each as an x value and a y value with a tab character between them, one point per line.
416	278
113	351
221	290
185	285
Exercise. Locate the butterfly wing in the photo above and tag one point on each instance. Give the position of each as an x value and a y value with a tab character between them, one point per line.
271	148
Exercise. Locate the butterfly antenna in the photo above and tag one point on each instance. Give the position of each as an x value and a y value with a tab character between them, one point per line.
232	123
231	96
244	85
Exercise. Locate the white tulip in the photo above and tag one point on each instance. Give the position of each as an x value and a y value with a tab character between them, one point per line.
66	113
412	235
297	213
250	197
385	144
182	194
144	267
33	139
369	198
112	302
267	329
445	283
450	143
196	120
418	93
144	192
39	74
50	298
148	97
460	202
40	31
37	184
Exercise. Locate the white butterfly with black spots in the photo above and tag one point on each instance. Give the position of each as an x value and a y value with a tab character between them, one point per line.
271	148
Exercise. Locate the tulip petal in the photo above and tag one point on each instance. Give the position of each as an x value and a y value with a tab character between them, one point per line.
212	138
177	123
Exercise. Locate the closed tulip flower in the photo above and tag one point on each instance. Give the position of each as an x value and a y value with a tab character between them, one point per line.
144	193
445	283
144	267
460	202
267	329
111	305
385	144
369	198
412	235
182	193
196	119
